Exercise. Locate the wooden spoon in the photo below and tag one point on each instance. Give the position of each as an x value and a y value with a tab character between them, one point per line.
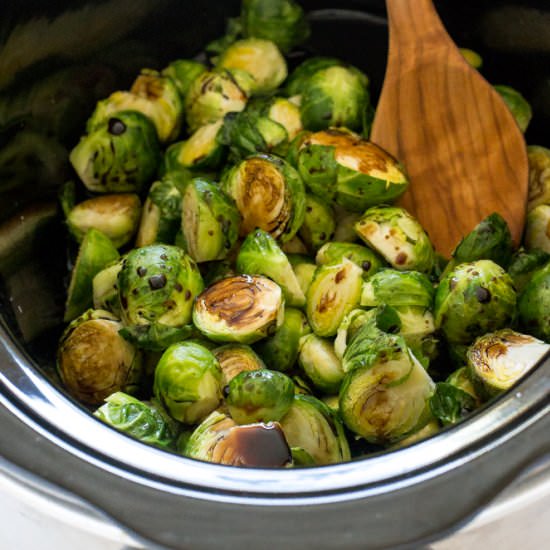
463	151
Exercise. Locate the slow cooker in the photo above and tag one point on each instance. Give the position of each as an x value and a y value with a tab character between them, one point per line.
56	60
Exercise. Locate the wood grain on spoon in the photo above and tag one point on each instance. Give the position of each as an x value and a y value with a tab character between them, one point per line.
463	151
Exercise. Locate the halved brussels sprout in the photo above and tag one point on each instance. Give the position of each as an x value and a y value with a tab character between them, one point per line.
161	213
259	58
116	216
537	228
333	252
260	255
320	364
498	360
259	396
119	155
472	57
183	72
241	309
398	237
398	288
517	104
202	150
188	382
269	194
304	269
157	284
349	326
281	21
431	428
524	264
311	426
214	94
94	361
385	396
95	253
335	96
209	222
539	176
265	125
489	240
135	418
472	299
236	358
219	439
319	224
339	166
105	288
334	292
152	95
280	351
534	304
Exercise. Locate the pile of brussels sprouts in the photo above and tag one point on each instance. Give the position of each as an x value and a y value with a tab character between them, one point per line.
244	291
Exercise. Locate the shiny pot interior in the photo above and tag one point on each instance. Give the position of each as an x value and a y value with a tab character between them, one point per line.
105	44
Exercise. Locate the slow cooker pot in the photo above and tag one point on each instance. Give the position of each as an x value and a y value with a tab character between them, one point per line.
402	497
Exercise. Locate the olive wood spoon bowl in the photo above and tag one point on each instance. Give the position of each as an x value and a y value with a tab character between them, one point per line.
461	147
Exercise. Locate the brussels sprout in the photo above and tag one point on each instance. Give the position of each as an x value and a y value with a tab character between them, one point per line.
524	264
517	104
534	304
539	176
265	125
498	360
302	74
161	213
209	222
431	428
240	309
236	358
472	299
333	293
300	457
259	58
202	150
398	237
345	225
304	269
450	404
156	337
188	382
384	396
212	95
311	426
349	326
537	230
183	72
94	361
105	288
295	247
281	21
269	194
460	379
293	149
320	364
319	225
95	253
259	396
260	254
219	439
489	240
335	97
133	417
397	288
280	351
368	260
472	58
120	155
116	216
338	165
157	284
152	95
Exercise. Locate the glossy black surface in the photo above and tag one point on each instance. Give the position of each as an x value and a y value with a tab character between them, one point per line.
56	59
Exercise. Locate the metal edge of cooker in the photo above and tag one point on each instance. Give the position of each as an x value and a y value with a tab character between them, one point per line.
366	503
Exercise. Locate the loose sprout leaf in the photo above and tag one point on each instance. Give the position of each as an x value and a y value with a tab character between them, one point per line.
450	404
